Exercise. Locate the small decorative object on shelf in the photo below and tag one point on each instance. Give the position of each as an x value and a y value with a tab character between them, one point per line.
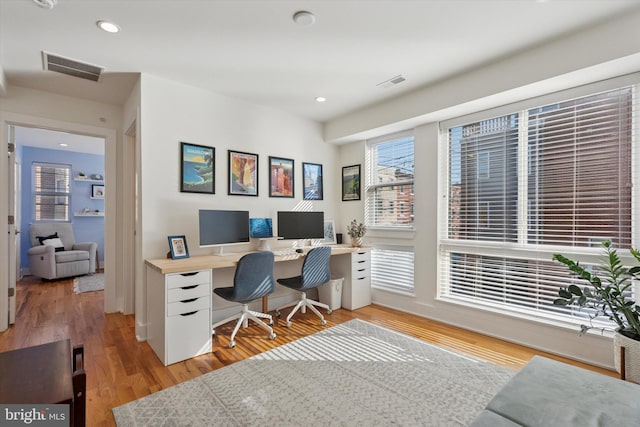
97	177
356	232
81	175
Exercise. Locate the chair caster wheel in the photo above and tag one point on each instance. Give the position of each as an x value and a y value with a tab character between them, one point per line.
232	344
277	313
329	311
288	324
272	336
270	322
324	322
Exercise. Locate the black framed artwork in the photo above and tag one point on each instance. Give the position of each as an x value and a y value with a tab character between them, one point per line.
197	168
281	178
243	173
312	181
351	182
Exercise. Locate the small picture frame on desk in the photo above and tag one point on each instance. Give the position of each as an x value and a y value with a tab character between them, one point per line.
329	233
178	247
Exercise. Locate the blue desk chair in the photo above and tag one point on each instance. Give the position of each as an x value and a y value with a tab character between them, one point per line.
253	280
315	272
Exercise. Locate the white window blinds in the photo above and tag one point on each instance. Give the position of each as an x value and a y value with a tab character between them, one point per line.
389	184
392	267
51	192
557	178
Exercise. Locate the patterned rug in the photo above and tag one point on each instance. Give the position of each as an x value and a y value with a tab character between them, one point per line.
353	374
88	283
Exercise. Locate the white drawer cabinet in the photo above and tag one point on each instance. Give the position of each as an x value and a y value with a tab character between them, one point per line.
179	314
356	270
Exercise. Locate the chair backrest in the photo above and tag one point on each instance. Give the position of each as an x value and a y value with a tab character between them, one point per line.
254	276
43	229
315	268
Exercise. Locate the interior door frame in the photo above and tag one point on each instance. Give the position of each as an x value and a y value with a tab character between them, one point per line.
111	202
13	203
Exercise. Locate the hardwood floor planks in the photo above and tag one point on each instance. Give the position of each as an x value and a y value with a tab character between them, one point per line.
121	369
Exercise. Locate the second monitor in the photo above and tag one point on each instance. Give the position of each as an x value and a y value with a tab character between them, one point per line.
293	225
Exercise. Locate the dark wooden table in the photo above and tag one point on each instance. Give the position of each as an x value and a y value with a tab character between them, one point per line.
39	374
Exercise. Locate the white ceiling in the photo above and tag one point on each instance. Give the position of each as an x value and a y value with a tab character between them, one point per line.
252	49
43	138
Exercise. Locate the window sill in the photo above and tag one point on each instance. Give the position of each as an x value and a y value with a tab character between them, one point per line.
528	317
403	233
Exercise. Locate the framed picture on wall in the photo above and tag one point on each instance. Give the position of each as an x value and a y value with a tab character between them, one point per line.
97	191
178	247
243	173
197	168
312	181
280	177
351	182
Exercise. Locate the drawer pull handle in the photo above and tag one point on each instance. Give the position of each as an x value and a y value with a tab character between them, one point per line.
361	278
363	269
193	273
189	314
188	300
361	253
360	262
190	287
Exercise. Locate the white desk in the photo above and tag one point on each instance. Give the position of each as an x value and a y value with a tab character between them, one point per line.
179	292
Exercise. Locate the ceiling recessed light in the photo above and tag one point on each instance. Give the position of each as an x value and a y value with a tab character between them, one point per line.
62	144
320	99
46	4
304	18
107	26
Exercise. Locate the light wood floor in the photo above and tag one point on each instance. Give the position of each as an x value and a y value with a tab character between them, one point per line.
120	369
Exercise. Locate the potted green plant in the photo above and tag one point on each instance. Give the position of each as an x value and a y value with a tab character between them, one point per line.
356	232
609	296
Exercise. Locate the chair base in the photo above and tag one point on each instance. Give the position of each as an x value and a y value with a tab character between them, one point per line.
243	319
302	305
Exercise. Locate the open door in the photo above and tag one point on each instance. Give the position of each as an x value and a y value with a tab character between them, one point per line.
13	220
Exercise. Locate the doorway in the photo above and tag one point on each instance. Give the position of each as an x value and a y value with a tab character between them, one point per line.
74	195
108	257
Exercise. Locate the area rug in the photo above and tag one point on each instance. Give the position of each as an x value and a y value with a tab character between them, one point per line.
353	374
88	283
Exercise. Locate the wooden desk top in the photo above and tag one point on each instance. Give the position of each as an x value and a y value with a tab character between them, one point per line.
204	262
39	374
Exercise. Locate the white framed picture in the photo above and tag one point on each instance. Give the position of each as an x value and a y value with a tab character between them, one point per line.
329	232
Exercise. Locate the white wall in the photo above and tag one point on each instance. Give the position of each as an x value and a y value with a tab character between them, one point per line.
172	112
577	59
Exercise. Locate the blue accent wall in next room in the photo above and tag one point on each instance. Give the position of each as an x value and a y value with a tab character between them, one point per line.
85	228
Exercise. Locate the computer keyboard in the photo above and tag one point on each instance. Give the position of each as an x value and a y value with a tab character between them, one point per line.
285	252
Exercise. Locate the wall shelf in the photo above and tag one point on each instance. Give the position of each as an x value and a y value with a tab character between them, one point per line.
96	214
77	178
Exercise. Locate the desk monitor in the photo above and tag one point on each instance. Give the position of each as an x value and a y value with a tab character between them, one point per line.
300	225
222	227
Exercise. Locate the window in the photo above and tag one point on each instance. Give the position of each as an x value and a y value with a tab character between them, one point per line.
51	192
392	267
389	199
389	190
528	184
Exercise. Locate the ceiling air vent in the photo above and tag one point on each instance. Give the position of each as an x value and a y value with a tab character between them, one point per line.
391	82
71	67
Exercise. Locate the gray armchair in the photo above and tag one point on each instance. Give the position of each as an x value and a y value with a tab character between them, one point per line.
70	259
